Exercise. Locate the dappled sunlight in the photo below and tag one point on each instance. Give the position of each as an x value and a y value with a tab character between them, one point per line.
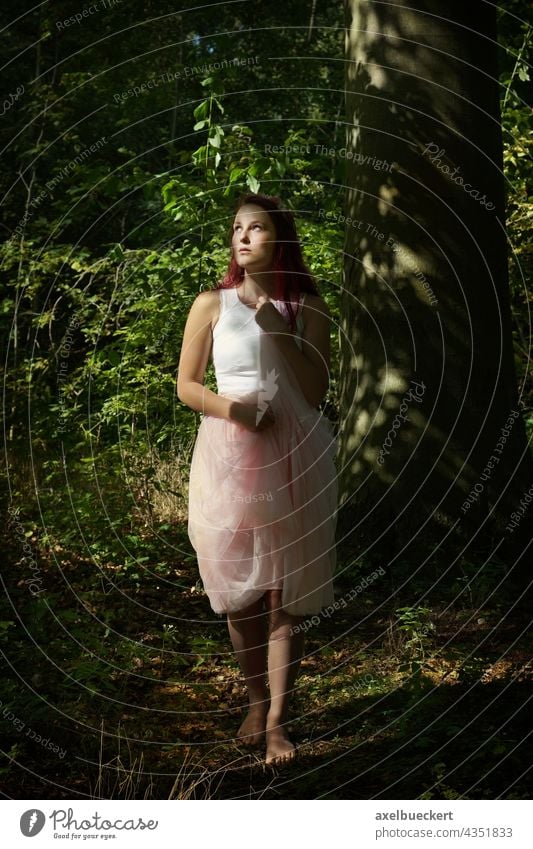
425	294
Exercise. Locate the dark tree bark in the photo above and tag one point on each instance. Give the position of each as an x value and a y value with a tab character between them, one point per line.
427	372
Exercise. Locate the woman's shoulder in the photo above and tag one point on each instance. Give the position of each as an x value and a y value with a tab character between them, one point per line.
208	305
314	303
208	295
311	298
208	299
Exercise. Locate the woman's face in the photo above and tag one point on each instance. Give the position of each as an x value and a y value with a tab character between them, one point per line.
254	238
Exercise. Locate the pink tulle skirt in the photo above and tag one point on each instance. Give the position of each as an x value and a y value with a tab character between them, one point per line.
263	505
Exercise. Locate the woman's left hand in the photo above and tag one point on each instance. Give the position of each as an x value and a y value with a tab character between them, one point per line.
268	317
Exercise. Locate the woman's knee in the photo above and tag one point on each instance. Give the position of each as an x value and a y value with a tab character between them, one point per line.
281	625
273	601
251	612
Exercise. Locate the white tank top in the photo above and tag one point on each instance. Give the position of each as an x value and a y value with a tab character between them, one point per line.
236	343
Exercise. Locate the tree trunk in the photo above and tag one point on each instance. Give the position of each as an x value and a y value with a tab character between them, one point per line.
432	442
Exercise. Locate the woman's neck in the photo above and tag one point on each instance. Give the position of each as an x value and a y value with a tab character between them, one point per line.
259	283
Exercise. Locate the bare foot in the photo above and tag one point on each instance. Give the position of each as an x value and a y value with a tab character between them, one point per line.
252	729
280	750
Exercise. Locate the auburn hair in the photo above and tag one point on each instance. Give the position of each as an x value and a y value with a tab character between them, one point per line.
292	276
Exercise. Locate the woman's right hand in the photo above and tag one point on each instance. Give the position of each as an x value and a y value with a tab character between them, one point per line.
247	414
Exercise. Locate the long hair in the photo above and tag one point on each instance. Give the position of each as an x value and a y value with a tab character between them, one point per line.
292	274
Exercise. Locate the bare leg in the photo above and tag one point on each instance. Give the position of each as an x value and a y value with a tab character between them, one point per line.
247	629
285	650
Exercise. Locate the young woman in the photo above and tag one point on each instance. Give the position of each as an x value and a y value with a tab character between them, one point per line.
263	487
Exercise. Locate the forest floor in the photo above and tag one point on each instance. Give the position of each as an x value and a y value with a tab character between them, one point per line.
131	676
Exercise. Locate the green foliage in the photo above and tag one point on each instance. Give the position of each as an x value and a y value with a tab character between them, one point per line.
417	631
100	318
103	365
416	625
104	253
517	38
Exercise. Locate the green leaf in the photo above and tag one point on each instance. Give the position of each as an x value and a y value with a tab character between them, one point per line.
252	182
202	110
116	253
235	173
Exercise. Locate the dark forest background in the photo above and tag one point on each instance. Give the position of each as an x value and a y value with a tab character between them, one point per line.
126	137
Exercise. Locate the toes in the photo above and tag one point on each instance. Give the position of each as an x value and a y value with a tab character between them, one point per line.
281	758
247	739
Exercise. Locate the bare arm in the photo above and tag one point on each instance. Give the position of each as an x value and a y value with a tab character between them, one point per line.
311	365
197	340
